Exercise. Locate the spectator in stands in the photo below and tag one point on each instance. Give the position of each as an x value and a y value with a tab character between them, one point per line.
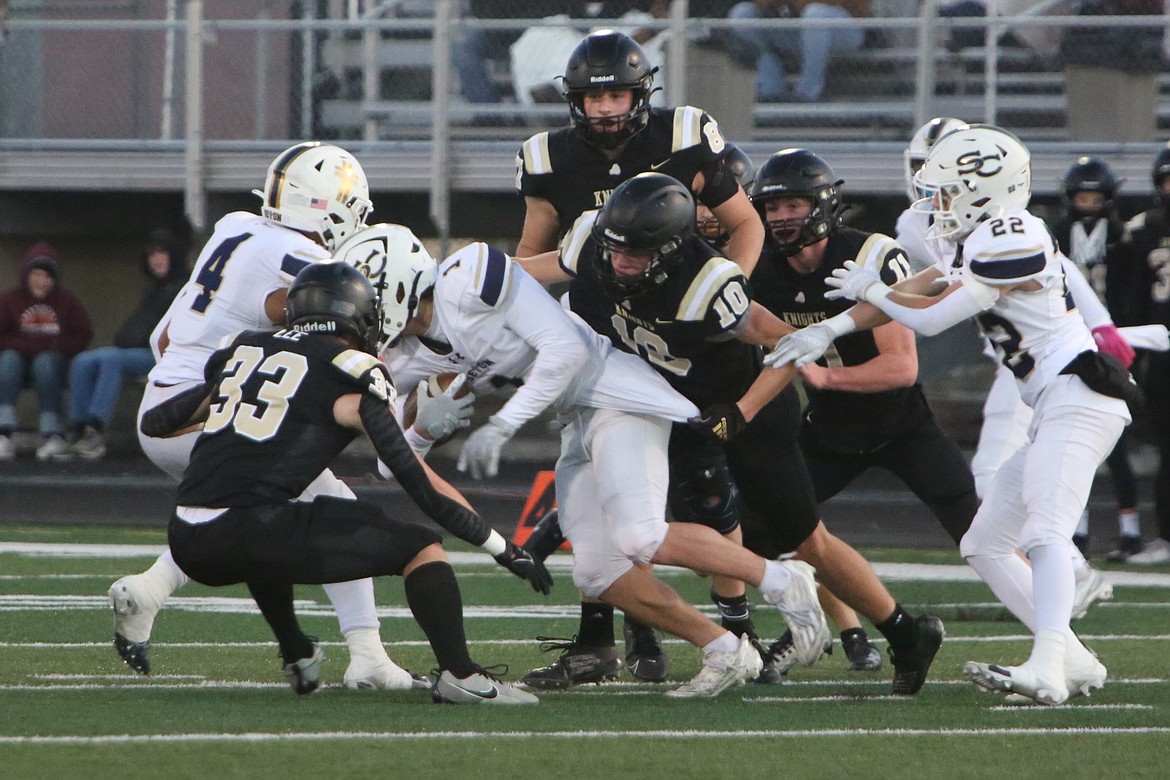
42	326
1129	49
96	375
811	45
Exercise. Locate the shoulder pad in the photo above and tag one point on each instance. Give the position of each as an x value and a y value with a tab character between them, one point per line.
535	156
1004	259
885	256
691	125
708	282
361	366
574	241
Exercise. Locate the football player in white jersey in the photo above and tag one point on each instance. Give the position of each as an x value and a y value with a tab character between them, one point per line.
315	196
1007	271
478	313
1005	417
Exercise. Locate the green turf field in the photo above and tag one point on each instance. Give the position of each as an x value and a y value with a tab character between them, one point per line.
216	705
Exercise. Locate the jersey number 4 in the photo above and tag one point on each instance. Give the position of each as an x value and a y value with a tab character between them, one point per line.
210	276
258	422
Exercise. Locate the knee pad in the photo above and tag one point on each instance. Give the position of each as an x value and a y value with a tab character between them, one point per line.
639	540
707	496
593	575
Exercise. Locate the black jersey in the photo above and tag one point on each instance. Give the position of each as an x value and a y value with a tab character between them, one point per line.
575	176
684	328
853	422
1145	252
271	429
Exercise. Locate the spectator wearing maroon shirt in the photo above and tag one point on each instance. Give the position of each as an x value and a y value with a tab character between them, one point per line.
42	326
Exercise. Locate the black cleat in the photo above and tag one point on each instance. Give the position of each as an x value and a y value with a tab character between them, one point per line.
135	654
645	657
1126	546
860	652
911	666
770	674
546	537
578	664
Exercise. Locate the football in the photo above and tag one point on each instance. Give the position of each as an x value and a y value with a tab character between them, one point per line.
437	384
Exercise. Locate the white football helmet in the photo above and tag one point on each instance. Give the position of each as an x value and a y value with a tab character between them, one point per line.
974	174
399	266
319	189
915	154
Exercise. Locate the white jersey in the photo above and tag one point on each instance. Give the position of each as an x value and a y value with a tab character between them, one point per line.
246	259
1036	333
504	329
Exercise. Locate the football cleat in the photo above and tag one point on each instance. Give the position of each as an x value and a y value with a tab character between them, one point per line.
721	671
384	677
645	657
577	664
1126	546
860	652
304	674
1157	551
1028	680
1083	679
1092	586
801	609
782	653
911	666
477	688
135	603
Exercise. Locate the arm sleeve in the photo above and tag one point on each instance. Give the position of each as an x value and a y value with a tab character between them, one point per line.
392	449
535	316
173	413
972	298
1092	310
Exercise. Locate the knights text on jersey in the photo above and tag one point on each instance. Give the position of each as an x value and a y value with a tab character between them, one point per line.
272	403
1035	332
246	259
683	328
575	176
855	422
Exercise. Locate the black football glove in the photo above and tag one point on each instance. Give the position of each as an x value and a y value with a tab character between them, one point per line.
520	563
722	421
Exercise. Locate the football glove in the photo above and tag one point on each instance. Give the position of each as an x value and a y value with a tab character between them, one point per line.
1110	341
443	414
855	283
801	347
481	451
721	421
520	563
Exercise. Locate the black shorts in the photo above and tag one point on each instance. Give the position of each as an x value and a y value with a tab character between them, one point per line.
327	540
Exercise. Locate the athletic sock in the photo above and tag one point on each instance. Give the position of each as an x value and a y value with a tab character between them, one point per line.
899	629
596	628
434	599
1130	523
1053	586
734	613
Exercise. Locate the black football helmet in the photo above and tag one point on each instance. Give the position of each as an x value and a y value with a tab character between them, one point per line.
608	60
1161	171
651	214
798	173
336	298
1089	174
735	163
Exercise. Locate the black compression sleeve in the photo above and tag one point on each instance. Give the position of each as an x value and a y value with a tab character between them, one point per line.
174	413
391	446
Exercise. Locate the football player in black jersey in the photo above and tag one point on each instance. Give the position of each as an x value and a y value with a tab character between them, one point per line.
615	134
276	408
642	278
865	406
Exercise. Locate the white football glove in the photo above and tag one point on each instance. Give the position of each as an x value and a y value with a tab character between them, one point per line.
801	347
441	415
854	283
481	451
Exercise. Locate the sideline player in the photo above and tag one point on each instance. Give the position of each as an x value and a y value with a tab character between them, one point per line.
1009	273
315	195
614	135
641	278
277	407
865	407
479	314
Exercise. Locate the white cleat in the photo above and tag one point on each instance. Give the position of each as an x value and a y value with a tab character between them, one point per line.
802	612
1030	681
386	676
1092	586
721	671
304	675
135	604
477	688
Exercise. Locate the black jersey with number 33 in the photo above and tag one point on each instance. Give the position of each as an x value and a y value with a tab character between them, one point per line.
684	328
272	401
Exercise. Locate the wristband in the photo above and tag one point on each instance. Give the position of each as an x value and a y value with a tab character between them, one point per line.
495	544
840	324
